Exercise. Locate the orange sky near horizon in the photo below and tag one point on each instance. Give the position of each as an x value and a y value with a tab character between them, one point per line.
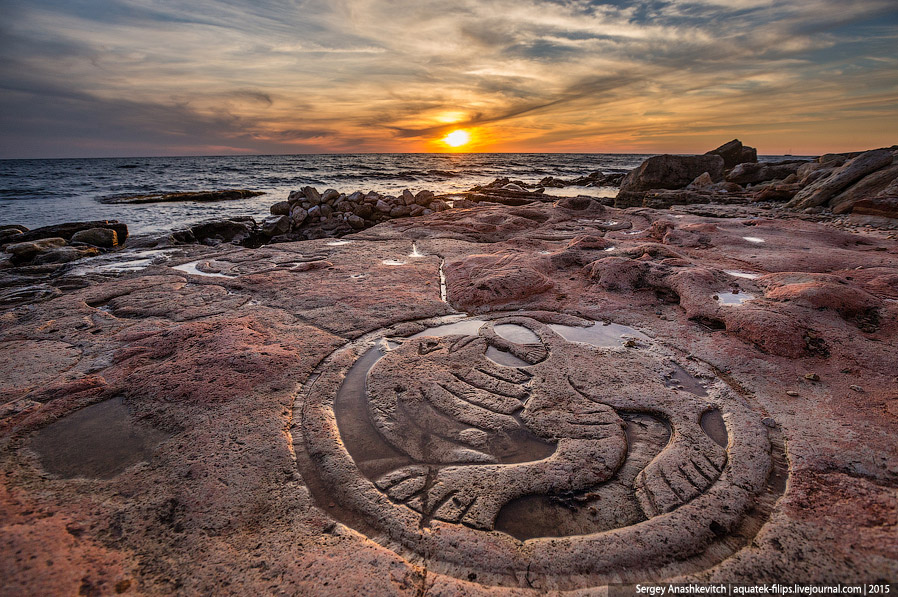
147	77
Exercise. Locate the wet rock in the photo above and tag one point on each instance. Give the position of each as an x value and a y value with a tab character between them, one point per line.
824	189
735	153
9	233
211	232
65	231
98	237
24	252
64	255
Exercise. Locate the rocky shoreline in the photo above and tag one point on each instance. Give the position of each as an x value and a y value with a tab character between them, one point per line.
501	392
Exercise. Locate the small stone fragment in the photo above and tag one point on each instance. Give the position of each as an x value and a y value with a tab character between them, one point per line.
792	393
812	377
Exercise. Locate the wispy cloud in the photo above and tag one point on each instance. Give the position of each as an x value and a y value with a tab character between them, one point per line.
166	77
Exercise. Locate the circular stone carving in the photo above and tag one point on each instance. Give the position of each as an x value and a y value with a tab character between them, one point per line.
498	450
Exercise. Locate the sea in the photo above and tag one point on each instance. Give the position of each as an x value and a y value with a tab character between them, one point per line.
41	192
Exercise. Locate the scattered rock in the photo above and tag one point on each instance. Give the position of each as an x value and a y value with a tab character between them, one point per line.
65	231
24	252
106	238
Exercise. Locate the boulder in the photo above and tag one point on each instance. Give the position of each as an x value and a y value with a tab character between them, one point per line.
735	153
298	215
98	237
65	255
330	196
778	192
65	231
824	189
281	208
275	225
24	252
424	198
356	222
9	234
666	172
234	230
312	194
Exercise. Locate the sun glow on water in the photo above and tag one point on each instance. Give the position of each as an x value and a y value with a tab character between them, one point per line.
457	138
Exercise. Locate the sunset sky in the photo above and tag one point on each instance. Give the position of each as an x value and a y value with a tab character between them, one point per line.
143	77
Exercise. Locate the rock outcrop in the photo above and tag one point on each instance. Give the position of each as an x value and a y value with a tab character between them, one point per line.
825	188
734	153
666	172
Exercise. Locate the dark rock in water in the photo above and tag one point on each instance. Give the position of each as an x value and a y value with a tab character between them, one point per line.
225	195
824	189
64	255
735	153
24	252
9	235
281	208
98	237
65	231
666	172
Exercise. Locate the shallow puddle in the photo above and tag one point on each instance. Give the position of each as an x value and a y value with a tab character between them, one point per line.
98	441
416	253
338	243
741	274
506	359
713	424
123	262
191	268
753	239
681	379
516	333
586	512
598	334
733	298
392	262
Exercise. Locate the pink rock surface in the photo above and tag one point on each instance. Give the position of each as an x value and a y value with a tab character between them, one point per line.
234	498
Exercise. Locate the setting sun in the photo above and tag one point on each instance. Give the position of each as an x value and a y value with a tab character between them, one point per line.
457	138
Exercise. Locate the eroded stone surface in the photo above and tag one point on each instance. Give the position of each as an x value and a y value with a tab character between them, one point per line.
230	500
